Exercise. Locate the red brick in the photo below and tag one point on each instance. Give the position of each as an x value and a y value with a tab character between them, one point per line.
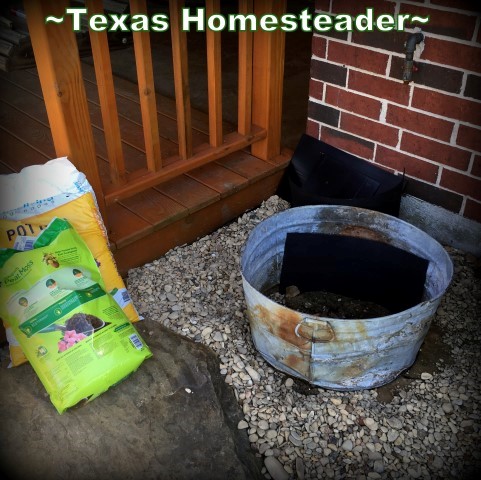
476	169
473	87
469	137
353	102
391	41
472	210
368	129
316	89
319	46
348	143
454	54
460	183
379	87
355	8
312	128
322	5
442	22
328	72
434	76
419	122
399	161
323	113
447	105
358	57
439	152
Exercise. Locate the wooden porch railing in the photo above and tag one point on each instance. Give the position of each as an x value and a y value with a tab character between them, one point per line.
261	67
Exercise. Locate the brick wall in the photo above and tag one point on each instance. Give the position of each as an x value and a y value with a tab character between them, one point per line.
430	127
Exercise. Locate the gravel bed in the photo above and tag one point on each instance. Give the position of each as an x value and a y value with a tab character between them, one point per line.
430	429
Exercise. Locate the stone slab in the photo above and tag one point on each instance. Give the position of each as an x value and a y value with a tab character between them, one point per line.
174	418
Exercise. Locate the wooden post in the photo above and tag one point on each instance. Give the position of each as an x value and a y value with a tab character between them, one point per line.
181	80
214	77
108	104
245	74
268	76
145	78
58	64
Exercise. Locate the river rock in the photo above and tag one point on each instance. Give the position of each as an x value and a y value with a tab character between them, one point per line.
370	423
253	374
347	445
275	469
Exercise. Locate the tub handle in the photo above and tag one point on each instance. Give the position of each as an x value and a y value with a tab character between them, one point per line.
320	331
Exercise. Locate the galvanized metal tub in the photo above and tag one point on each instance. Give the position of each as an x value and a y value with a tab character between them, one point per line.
340	354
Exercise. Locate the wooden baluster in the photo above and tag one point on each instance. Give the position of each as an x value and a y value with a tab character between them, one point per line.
145	78
108	104
58	64
214	77
245	73
181	80
268	73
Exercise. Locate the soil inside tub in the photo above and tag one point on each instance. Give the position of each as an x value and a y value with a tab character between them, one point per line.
327	304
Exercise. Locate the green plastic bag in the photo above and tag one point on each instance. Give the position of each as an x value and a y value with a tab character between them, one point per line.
74	334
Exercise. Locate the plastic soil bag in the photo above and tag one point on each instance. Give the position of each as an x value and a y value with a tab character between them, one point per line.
30	199
74	334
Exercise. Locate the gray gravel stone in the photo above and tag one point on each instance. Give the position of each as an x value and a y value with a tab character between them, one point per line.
370	423
218	337
253	374
263	425
295	440
447	407
289	382
378	466
300	469
242	424
347	445
275	469
394	423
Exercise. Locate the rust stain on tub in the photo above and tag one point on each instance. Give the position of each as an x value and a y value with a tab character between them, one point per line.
359	330
346	341
300	363
363	232
317	331
295	362
280	322
352	371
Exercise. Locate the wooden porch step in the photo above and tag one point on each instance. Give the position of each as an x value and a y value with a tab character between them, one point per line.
201	211
146	225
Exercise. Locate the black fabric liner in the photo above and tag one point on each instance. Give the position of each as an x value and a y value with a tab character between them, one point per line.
355	267
320	174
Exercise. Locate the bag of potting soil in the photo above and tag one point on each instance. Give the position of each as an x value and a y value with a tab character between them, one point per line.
28	202
75	335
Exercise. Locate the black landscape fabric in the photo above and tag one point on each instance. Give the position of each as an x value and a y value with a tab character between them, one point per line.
355	267
320	174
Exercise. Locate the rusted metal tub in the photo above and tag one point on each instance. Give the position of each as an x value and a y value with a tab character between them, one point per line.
340	354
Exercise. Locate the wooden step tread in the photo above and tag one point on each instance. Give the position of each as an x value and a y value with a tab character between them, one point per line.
203	221
183	196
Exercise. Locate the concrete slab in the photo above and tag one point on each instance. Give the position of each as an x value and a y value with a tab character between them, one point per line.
446	227
172	419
